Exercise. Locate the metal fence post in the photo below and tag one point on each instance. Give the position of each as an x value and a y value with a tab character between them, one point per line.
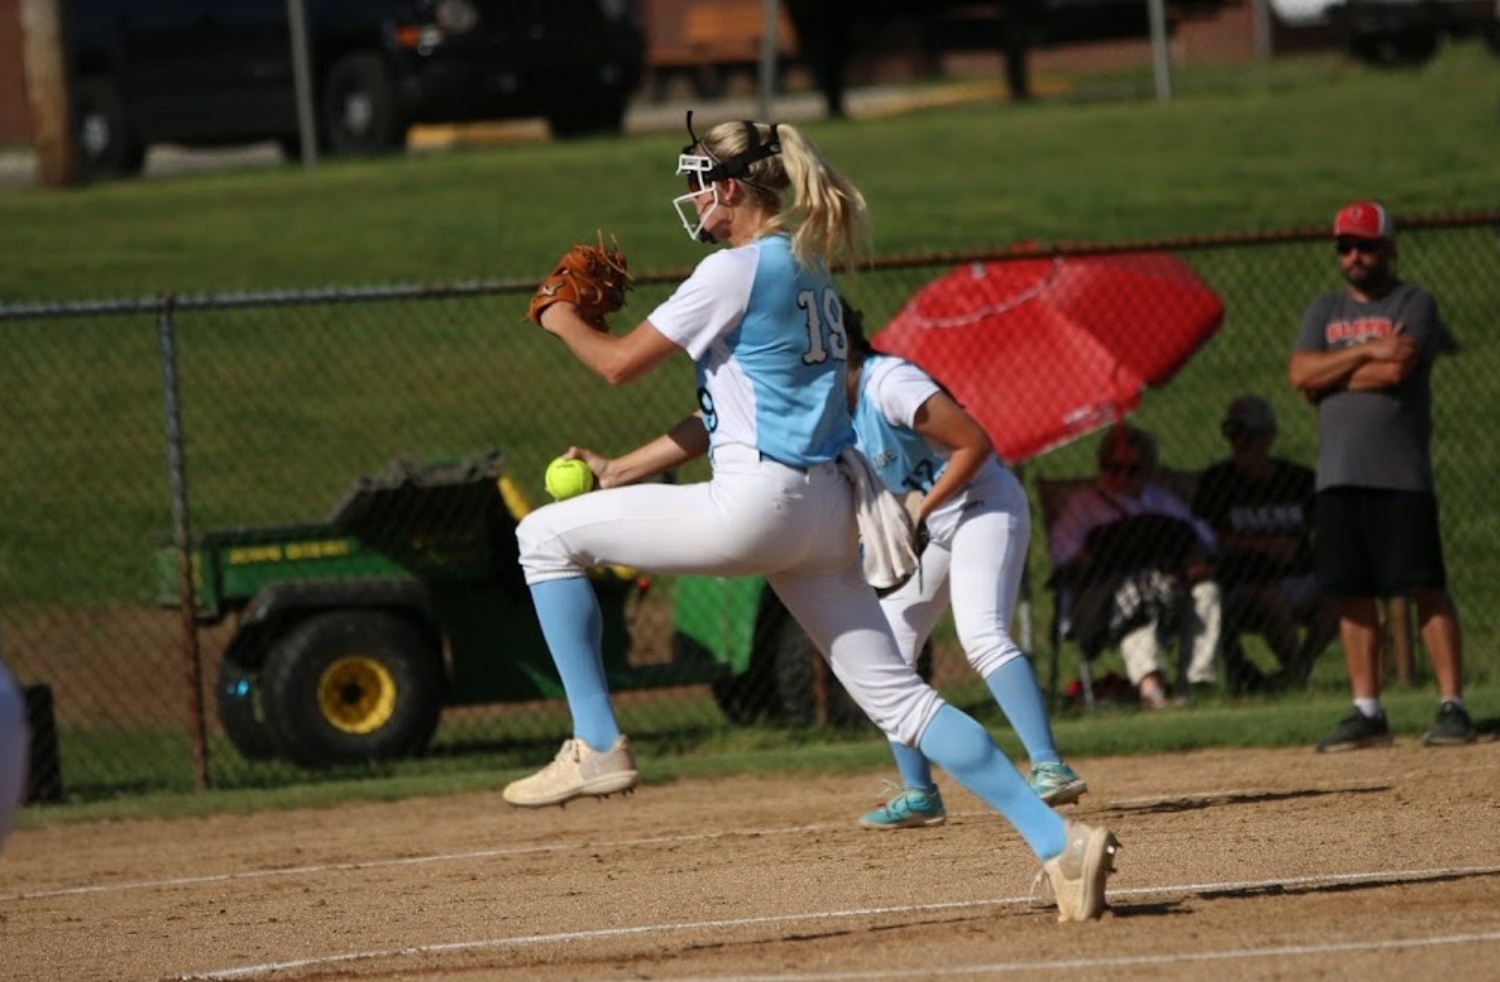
307	127
1161	57
182	534
770	39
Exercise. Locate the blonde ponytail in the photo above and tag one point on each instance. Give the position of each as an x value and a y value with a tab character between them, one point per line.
825	213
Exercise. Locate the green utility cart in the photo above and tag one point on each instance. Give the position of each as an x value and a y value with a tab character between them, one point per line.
353	634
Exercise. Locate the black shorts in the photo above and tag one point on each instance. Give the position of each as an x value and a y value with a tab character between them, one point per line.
1371	542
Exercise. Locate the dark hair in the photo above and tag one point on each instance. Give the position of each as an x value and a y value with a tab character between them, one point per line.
854	327
1129	437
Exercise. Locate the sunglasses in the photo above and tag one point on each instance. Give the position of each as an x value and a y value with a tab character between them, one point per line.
1234	430
1367	246
1117	467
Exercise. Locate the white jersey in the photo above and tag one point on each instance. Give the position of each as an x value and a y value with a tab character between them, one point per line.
977	549
890	393
771	352
761	385
891	390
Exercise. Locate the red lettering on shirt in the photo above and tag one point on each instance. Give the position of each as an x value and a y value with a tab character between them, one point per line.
1358	330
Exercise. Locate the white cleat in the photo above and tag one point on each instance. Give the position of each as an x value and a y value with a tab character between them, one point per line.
1079	872
578	771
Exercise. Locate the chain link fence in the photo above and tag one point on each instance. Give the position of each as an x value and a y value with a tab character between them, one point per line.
240	532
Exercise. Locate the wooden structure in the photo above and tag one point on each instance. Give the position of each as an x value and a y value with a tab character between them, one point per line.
709	41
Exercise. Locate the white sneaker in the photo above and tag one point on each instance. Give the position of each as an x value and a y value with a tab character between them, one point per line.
1078	872
577	771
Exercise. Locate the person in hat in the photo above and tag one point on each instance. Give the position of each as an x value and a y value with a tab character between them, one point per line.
1261	509
1363	358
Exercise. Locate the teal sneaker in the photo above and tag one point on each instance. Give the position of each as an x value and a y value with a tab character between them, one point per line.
1056	784
907	809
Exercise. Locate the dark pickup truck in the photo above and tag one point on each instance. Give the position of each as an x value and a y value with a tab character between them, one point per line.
207	72
1394	33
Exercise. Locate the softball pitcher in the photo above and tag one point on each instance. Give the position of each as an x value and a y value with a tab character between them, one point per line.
978	523
763	323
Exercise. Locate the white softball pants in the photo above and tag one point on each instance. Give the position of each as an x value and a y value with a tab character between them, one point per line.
974	558
754	517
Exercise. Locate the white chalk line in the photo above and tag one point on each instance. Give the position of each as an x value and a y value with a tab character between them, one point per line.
1122	961
1230	886
450	857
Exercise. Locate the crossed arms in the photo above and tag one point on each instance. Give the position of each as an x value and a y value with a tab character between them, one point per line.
1380	363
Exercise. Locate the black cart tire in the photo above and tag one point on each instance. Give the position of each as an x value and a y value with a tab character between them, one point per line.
106	141
361	111
237	695
352	686
744	699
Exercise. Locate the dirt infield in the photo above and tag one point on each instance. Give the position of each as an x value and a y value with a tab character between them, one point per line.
1380	864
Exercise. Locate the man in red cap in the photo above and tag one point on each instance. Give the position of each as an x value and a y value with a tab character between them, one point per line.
1364	358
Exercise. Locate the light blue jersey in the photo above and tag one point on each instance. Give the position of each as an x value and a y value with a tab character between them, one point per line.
768	342
890	392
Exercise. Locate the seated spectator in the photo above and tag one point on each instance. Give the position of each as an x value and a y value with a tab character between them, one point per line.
1260	508
1133	564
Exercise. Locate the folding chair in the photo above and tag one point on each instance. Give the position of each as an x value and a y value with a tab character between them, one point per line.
1052	496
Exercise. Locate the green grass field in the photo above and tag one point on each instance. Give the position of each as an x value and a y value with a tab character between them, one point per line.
699	746
282	412
1267	147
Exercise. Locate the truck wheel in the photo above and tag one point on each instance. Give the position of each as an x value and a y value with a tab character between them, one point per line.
361	111
352	686
1417	48
1407	49
237	693
107	144
796	658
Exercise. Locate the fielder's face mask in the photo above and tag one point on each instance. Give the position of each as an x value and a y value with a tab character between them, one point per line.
704	171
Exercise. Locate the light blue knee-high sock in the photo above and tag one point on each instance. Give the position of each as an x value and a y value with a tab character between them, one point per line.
914	769
959	745
574	629
1015	688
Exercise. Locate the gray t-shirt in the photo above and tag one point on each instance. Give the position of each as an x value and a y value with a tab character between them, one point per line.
1376	439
